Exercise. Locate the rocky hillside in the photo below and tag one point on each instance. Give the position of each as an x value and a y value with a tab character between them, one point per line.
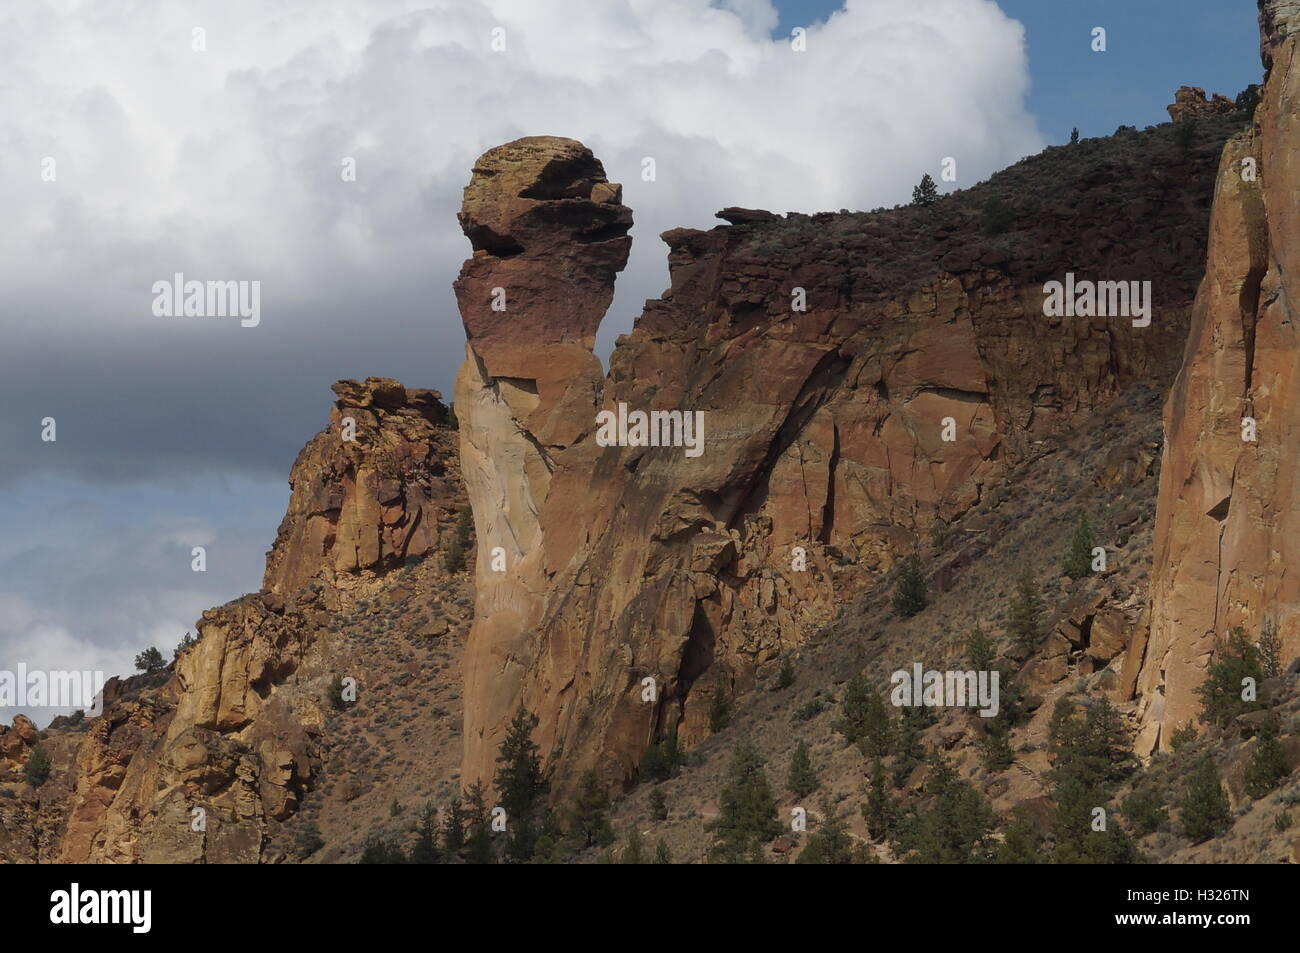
844	402
241	727
862	377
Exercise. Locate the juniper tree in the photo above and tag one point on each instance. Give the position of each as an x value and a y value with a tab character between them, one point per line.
925	193
1205	811
658	804
747	816
801	780
659	761
878	809
1235	660
149	661
453	828
1078	562
37	769
1270	651
478	827
1144	810
1024	623
1021	841
426	849
864	719
911	594
1268	765
952	826
830	843
1074	136
588	813
519	782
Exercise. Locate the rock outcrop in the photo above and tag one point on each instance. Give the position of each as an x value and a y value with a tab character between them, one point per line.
1229	507
202	762
1190	104
860	378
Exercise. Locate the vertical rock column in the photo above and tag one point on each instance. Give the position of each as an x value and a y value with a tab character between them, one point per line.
1227	542
549	234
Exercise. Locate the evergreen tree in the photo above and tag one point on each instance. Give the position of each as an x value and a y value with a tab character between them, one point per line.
588	814
1235	660
426	849
1078	562
925	193
380	850
785	677
980	651
453	829
864	718
335	693
478	827
1074	136
37	769
659	761
1021	842
830	843
953	825
1268	765
801	780
909	752
1024	625
519	782
658	804
747	816
995	745
1270	651
150	661
911	594
1144	809
878	809
1205	809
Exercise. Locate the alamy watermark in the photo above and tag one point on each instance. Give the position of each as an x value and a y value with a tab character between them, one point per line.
935	689
37	688
1102	299
208	299
656	428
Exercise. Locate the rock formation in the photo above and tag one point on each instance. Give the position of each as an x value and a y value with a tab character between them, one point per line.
1229	509
1190	103
861	377
235	728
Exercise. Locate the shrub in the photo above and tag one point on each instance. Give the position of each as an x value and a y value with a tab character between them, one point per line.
1205	809
995	216
911	594
37	768
1144	809
1078	562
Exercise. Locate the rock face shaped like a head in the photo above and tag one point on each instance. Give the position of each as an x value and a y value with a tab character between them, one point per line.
549	233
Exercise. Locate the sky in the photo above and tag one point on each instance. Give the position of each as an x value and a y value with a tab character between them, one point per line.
208	138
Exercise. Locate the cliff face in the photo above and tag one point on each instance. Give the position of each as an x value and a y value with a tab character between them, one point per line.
1229	507
919	366
237	727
